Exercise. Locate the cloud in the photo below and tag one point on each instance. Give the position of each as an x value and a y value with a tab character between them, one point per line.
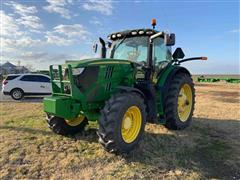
48	57
9	26
13	37
27	17
29	55
75	30
51	38
31	22
34	59
13	45
59	7
64	35
21	9
235	31
103	6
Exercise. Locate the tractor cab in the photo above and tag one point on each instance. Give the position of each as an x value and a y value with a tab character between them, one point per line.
148	48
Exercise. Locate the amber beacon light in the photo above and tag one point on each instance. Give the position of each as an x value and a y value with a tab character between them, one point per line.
154	23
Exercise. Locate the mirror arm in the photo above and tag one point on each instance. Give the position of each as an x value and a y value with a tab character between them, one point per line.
193	58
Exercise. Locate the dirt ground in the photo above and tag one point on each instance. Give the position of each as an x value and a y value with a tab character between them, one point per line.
208	149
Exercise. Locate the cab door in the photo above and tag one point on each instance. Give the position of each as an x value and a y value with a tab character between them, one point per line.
161	56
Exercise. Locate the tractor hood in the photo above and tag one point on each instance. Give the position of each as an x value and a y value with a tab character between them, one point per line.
98	75
98	61
87	85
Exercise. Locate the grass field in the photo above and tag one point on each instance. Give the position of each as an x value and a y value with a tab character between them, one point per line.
209	148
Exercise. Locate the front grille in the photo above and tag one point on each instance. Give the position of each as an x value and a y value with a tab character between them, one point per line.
108	75
109	72
108	86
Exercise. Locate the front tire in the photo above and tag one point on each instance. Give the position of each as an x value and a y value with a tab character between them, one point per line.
66	127
17	94
122	122
179	102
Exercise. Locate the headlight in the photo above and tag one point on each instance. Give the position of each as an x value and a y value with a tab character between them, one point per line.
77	71
119	35
114	36
141	32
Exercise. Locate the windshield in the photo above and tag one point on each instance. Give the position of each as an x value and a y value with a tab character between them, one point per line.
133	48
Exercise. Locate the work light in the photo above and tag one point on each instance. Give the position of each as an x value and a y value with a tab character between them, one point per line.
119	35
134	32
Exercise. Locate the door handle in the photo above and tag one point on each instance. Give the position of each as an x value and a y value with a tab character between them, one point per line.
42	86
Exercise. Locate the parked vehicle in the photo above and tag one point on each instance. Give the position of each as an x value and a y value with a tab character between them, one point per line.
20	85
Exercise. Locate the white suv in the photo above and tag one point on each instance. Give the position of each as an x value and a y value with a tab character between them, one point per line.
20	85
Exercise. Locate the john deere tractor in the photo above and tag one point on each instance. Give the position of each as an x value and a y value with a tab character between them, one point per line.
136	80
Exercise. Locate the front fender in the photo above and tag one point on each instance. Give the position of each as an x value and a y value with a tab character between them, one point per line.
164	81
171	75
130	89
167	75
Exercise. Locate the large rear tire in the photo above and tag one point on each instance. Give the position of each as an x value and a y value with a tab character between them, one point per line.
179	102
66	127
122	122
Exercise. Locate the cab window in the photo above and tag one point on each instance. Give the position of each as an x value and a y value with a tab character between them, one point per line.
161	52
134	48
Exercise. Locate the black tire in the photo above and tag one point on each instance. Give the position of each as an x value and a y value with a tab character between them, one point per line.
17	94
110	122
59	125
171	102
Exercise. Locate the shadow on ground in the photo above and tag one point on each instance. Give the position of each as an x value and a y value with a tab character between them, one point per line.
201	147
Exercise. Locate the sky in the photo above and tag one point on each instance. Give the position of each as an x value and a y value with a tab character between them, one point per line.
38	33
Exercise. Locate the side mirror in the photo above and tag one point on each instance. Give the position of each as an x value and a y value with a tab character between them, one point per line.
94	47
169	39
178	54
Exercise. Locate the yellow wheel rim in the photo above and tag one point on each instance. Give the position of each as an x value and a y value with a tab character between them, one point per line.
184	102
131	124
75	121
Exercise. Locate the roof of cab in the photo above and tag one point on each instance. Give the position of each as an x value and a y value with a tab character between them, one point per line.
128	33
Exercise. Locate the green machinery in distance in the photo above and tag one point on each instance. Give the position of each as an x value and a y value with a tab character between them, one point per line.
211	80
136	80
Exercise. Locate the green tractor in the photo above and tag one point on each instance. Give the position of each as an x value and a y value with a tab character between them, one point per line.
137	81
